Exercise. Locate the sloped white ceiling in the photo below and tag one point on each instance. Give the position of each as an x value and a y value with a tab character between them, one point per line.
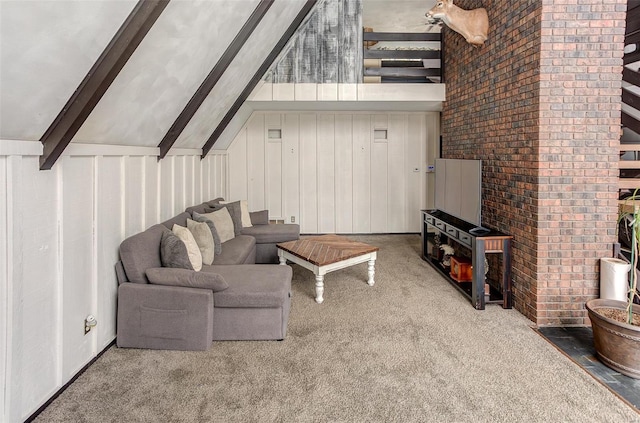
243	68
46	49
165	71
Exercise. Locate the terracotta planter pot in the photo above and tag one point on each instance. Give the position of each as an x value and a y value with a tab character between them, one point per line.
617	344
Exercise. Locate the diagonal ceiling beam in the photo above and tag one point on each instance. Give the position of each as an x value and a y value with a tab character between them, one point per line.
214	76
257	76
100	76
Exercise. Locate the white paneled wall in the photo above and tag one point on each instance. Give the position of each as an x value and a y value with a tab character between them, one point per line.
336	172
63	228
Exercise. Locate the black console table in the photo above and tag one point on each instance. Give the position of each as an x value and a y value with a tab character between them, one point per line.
480	242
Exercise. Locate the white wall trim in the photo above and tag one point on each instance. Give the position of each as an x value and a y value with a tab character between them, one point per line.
185	152
20	148
79	149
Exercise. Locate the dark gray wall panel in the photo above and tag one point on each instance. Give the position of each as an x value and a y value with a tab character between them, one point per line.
326	49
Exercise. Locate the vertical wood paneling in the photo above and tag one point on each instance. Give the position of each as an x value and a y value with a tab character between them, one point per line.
415	158
167	202
254	134
221	176
189	182
344	173
432	152
308	174
328	40
238	166
362	173
151	208
109	223
291	167
397	174
179	185
342	179
134	194
350	42
273	178
326	173
32	291
197	180
4	288
379	179
77	261
207	181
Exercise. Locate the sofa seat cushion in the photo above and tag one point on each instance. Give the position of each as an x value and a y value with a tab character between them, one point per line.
272	233
236	250
253	286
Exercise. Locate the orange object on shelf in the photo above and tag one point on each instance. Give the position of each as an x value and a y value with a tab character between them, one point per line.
461	269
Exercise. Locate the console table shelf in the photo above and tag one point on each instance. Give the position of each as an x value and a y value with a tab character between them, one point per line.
466	234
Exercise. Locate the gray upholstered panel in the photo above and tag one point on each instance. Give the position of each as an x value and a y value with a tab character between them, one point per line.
180	219
200	208
164	317
248	324
186	278
236	251
260	285
140	252
273	233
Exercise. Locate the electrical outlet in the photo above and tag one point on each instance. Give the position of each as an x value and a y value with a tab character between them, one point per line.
89	323
293	219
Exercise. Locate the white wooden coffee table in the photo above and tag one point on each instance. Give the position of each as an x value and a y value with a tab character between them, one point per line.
326	253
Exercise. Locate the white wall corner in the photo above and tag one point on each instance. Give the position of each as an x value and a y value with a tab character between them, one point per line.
262	92
20	148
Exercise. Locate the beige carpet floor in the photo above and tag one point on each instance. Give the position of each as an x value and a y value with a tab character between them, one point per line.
408	349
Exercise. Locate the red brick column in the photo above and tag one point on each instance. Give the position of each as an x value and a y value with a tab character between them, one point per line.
540	105
580	102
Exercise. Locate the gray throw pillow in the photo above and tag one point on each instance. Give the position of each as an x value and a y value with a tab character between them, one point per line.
173	252
236	215
204	238
216	238
188	278
260	217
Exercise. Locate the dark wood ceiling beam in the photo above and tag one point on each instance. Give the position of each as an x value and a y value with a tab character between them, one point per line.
257	76
100	76
214	76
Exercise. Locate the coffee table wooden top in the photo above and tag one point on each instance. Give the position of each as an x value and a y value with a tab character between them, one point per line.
326	249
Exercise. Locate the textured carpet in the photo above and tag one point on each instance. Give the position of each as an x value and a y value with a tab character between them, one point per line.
408	349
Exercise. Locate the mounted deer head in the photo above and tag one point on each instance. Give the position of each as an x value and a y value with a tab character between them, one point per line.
473	25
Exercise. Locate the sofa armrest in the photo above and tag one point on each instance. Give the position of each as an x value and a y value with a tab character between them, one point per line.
259	217
187	278
164	317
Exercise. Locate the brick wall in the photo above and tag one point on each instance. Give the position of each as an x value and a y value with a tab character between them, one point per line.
540	105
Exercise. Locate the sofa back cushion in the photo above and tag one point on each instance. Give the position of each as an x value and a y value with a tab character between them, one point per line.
200	208
180	220
141	252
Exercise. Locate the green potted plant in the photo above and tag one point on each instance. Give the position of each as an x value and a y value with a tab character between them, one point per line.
616	324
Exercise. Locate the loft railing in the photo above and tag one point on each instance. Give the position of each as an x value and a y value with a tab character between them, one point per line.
402	57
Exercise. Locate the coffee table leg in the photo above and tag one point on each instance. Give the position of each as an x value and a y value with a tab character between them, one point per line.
319	288
372	271
283	260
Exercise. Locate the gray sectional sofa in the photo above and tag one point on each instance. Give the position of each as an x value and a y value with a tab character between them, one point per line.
232	299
